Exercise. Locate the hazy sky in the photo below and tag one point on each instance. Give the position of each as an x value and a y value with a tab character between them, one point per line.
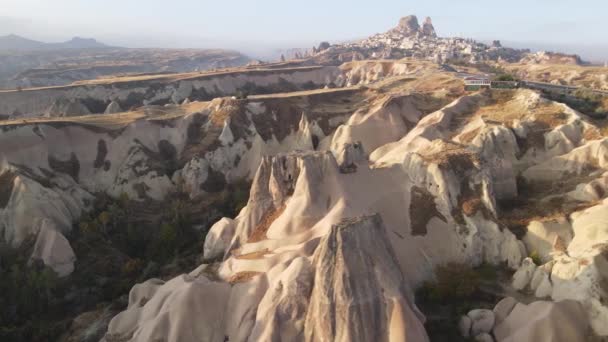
283	23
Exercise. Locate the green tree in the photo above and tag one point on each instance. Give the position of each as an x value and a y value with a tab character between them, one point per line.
167	238
104	219
506	78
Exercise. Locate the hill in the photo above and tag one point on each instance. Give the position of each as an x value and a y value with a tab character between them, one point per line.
14	42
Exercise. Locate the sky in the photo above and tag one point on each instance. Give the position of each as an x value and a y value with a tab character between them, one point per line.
258	25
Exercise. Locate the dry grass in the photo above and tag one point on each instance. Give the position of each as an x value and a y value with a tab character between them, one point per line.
335	91
576	75
541	201
259	232
469	136
453	157
194	75
504	107
243	277
114	121
422	210
253	255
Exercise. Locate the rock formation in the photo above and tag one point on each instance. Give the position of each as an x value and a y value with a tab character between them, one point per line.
427	28
408	26
358	193
358	291
113	108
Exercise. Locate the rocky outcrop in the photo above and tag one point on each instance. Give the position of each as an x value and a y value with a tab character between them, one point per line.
357	195
57	67
184	309
427	28
96	96
547	321
514	321
359	293
113	108
50	170
544	57
54	249
409	25
66	107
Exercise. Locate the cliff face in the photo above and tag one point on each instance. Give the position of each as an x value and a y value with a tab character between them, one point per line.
79	59
96	96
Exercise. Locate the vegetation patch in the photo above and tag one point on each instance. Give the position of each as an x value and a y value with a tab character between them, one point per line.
243	277
102	152
422	210
7	179
215	182
453	157
70	167
457	289
468	137
119	243
583	100
95	106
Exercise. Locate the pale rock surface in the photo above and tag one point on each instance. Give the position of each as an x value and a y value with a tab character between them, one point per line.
427	28
66	107
545	288
68	100
286	280
353	300
540	236
409	25
182	310
464	326
504	308
31	205
218	238
349	156
54	249
193	175
579	274
524	274
113	108
141	293
485	337
387	121
482	321
564	321
282	312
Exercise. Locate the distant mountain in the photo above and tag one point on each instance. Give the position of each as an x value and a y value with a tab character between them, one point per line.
17	43
81	43
14	42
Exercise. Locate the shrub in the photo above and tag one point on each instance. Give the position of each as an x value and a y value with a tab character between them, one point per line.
132	267
104	219
124	199
505	78
453	282
536	258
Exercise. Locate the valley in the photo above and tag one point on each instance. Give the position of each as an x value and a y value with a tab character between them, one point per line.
358	193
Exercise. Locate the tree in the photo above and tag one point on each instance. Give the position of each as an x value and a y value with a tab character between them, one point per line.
505	78
104	219
167	239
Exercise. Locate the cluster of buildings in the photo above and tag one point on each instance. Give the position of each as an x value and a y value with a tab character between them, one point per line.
410	40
